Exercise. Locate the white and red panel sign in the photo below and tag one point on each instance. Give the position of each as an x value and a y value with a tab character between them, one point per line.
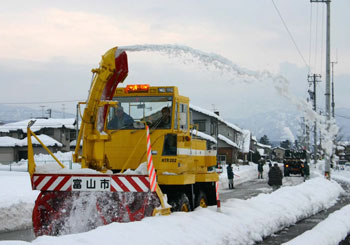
114	183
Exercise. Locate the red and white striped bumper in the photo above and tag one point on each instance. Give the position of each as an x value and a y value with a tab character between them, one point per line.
86	182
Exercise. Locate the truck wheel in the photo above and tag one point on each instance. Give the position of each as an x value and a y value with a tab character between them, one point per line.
201	200
180	203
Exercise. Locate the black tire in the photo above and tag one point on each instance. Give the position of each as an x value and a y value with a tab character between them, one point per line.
201	200
180	203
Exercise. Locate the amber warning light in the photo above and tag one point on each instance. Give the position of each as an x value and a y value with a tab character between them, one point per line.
137	88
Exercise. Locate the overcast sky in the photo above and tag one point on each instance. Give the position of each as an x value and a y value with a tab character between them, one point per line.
49	47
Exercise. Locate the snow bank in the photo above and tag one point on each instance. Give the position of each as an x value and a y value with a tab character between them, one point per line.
328	232
16	201
240	222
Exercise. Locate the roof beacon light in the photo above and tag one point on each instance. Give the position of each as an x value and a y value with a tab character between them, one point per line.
137	88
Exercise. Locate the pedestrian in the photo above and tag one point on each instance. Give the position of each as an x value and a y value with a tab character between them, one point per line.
260	168
306	171
275	177
230	175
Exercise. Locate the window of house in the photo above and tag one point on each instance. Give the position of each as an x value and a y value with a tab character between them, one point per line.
222	159
200	124
73	134
213	128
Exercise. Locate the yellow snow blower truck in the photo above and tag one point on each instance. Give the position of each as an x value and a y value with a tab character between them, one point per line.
138	158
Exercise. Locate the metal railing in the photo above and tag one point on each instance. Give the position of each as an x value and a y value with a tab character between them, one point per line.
22	166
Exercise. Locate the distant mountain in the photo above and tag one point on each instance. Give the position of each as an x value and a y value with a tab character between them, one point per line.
18	113
280	126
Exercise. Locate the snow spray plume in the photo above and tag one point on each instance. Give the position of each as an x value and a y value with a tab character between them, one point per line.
224	65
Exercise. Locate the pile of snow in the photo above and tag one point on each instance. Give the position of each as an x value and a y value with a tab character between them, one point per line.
246	141
16	201
41	160
330	231
239	222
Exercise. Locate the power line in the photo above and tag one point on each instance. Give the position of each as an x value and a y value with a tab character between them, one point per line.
39	102
290	34
316	35
310	38
322	39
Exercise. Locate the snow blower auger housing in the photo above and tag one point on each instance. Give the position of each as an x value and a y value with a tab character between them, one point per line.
137	156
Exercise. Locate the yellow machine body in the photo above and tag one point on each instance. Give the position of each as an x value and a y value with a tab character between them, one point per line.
190	162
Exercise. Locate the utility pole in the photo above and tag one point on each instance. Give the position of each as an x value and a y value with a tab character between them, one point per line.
333	104
313	79
328	87
49	111
63	111
42	111
77	124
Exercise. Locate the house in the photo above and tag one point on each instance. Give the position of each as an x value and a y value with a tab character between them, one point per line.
62	130
278	154
245	153
230	137
13	150
204	121
227	135
343	150
264	150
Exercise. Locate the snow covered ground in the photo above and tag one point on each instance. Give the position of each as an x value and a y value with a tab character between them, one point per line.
239	222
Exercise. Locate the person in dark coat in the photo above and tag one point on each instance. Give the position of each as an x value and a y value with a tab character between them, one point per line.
306	171
275	177
165	120
261	168
230	175
120	119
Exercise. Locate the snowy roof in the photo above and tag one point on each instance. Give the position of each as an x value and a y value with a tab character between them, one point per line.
344	143
246	141
74	142
39	124
6	141
263	146
203	136
261	152
228	141
254	138
12	142
340	147
278	147
212	114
